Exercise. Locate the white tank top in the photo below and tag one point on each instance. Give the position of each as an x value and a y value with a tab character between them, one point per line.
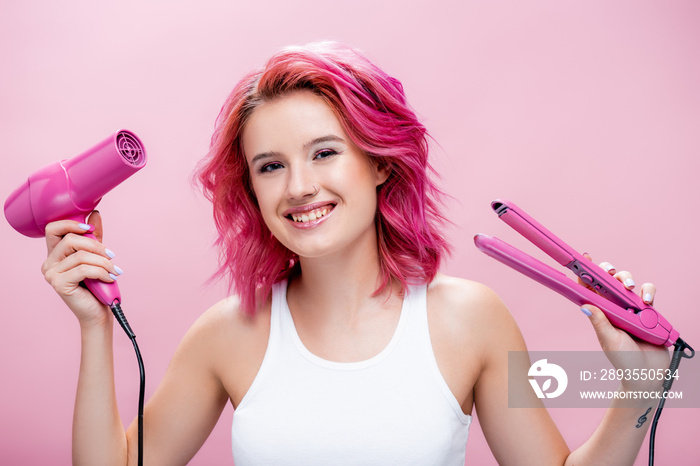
392	409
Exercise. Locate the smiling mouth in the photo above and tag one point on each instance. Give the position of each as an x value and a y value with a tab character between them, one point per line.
311	215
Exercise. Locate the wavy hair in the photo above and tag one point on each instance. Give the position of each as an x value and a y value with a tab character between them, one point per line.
373	111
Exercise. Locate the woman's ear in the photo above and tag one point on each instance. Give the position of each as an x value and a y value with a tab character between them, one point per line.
381	171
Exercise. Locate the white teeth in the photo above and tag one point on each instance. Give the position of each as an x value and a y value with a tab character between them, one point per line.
310	216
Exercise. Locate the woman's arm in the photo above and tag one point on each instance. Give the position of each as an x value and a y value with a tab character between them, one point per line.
516	436
472	332
619	436
486	331
98	434
186	406
521	436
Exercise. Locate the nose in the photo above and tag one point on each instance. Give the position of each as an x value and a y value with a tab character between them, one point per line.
301	182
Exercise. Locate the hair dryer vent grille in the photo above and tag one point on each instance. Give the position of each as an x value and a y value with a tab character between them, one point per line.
130	148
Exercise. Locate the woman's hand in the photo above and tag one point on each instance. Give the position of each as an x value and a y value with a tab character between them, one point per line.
624	351
73	257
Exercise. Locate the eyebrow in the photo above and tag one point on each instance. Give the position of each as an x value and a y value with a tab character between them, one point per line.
307	146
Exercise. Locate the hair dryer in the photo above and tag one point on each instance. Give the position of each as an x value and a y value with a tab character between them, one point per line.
72	188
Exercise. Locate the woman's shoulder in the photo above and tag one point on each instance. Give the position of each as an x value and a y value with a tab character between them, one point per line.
467	320
226	321
231	342
460	307
458	295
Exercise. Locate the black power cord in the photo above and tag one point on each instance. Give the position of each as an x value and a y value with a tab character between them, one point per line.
119	315
678	352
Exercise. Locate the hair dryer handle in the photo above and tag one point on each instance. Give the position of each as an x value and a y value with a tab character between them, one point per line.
106	293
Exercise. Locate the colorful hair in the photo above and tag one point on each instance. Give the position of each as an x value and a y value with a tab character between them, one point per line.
374	113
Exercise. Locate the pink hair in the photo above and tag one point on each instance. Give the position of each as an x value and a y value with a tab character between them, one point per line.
372	108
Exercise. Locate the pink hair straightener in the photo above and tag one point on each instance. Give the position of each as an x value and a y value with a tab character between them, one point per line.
623	307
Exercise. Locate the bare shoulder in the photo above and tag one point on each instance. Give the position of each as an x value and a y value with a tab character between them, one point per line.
226	323
461	309
458	299
467	320
461	292
231	342
215	362
472	333
227	319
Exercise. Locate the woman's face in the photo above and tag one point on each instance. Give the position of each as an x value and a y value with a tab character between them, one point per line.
315	188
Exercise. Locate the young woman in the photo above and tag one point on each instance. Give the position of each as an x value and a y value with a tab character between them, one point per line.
343	345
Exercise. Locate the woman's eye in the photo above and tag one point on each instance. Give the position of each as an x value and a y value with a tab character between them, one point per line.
325	153
269	167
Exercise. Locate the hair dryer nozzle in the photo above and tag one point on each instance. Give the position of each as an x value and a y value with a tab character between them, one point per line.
130	148
98	170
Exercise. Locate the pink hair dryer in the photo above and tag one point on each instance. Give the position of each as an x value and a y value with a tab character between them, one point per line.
72	188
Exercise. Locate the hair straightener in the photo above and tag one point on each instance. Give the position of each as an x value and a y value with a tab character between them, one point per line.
622	307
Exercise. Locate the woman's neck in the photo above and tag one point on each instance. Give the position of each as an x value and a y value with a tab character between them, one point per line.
341	284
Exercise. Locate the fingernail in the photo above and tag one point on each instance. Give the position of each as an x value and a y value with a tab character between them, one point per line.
112	276
608	267
647	298
118	270
86	227
109	253
629	283
586	311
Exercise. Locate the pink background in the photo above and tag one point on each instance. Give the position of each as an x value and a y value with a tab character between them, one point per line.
584	113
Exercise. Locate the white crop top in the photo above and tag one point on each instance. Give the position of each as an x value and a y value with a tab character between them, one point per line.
392	409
